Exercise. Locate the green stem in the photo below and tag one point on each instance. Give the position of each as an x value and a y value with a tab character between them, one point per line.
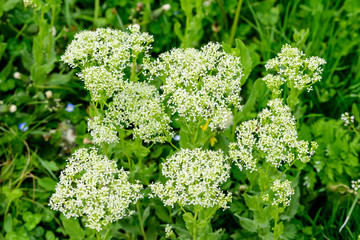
275	226
140	220
194	230
96	12
235	23
212	213
133	70
350	211
182	208
107	231
287	168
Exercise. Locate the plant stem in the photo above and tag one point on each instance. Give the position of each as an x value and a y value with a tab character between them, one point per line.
235	23
350	211
96	12
194	230
275	226
140	220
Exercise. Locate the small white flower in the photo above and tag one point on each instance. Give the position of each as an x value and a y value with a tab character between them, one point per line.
17	75
355	184
12	108
347	118
166	7
169	233
48	94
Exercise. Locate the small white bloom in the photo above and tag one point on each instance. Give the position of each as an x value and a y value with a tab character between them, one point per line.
347	118
169	233
12	108
166	7
17	75
48	94
355	184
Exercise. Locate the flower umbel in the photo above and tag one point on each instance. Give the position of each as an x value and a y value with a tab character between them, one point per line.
291	67
273	134
282	192
200	84
92	186
194	178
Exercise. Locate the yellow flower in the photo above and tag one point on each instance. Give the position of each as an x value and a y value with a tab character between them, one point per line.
213	140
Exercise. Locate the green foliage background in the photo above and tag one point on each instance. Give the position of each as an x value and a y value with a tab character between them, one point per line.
33	39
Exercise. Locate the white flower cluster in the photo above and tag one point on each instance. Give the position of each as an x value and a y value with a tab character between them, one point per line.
355	184
112	49
30	3
100	82
169	233
291	67
92	186
200	84
101	131
105	56
138	106
282	193
272	136
347	118
194	177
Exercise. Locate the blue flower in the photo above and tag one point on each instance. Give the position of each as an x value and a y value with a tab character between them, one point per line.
70	107
22	126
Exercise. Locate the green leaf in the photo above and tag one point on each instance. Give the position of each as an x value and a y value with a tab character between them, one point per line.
355	112
50	235
278	230
8	223
11	194
253	202
47	183
2	49
10	4
31	220
145	214
246	223
73	228
162	214
189	221
177	31
245	59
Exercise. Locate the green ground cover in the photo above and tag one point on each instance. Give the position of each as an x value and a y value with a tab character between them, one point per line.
44	114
